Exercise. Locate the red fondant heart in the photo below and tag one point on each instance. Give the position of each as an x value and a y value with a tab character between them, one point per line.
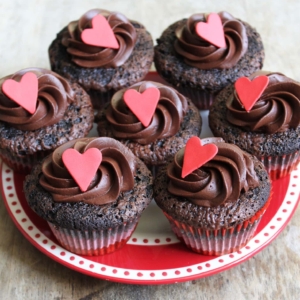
100	35
24	93
142	105
196	155
249	91
212	31
82	167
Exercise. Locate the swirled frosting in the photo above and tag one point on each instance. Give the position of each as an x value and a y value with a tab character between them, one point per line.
200	54
165	122
91	56
218	181
277	109
114	175
54	95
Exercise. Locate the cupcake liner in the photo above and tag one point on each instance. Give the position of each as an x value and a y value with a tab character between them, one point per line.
280	166
154	169
202	99
22	164
99	99
94	242
217	241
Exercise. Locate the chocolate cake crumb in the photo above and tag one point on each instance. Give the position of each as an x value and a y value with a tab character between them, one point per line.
256	143
158	152
227	215
174	70
76	122
105	79
82	216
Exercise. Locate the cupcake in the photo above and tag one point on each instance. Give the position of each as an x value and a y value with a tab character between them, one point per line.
39	111
151	119
261	115
201	55
91	191
213	194
102	51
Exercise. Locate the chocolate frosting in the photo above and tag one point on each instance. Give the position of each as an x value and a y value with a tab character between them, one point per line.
277	110
54	96
166	120
219	181
89	56
201	54
115	173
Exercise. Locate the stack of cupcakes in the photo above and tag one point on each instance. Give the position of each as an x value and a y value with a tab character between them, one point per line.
92	191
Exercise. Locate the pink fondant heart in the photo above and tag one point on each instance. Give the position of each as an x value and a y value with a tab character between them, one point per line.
249	91
142	105
82	167
212	31
196	155
100	35
24	93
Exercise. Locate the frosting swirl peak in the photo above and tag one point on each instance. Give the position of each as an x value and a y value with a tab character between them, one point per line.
165	122
89	56
277	109
219	181
114	175
200	54
54	96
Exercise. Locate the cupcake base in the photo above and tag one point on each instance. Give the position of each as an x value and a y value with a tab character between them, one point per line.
99	99
94	242
202	99
280	166
217	241
22	164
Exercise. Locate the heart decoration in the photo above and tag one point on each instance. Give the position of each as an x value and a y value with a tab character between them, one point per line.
100	35
24	93
250	91
212	31
196	155
142	105
82	167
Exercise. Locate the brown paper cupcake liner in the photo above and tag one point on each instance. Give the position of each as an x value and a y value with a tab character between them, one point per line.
94	242
202	99
22	164
280	166
99	99
218	241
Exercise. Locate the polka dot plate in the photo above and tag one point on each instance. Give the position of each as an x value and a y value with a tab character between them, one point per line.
153	255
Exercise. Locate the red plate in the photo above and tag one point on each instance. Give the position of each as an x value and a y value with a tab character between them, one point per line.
153	255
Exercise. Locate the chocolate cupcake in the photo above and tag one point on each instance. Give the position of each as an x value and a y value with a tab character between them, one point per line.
40	110
91	217
200	65
172	120
103	51
214	195
269	128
